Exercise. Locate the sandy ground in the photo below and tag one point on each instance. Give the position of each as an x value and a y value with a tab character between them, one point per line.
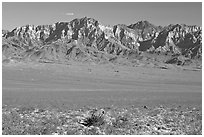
78	85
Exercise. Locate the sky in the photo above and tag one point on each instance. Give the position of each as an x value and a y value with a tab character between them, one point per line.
39	13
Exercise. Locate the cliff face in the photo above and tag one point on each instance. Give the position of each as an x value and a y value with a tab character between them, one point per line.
180	39
87	38
145	30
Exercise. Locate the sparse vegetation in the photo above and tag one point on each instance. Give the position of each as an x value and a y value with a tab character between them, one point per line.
102	121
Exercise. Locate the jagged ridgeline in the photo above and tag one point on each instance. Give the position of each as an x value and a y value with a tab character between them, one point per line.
87	39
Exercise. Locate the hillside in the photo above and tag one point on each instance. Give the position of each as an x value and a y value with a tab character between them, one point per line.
86	39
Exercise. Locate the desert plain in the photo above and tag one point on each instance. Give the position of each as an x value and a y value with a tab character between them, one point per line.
80	84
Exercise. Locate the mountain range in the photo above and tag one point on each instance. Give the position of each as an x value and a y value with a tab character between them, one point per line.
87	39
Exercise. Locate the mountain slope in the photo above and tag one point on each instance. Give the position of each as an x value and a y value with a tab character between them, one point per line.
87	39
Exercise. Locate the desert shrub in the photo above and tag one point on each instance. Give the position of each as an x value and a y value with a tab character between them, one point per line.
96	119
120	121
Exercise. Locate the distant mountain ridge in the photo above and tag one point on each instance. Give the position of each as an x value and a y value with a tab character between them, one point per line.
87	38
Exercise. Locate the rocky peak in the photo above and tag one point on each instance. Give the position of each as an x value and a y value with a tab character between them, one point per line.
4	32
117	40
179	38
84	22
141	25
145	29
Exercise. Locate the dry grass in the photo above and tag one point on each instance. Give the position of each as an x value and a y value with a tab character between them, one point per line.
100	121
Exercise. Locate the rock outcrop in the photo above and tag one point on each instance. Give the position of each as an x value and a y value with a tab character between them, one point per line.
145	30
180	39
88	39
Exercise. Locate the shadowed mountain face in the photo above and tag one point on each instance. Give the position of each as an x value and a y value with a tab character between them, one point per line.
87	39
146	30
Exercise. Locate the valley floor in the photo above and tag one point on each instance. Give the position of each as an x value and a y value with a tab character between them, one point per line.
78	85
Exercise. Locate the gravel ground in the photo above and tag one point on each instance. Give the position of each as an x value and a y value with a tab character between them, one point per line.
102	121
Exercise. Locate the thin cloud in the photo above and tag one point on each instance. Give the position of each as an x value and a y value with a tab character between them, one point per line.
69	14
